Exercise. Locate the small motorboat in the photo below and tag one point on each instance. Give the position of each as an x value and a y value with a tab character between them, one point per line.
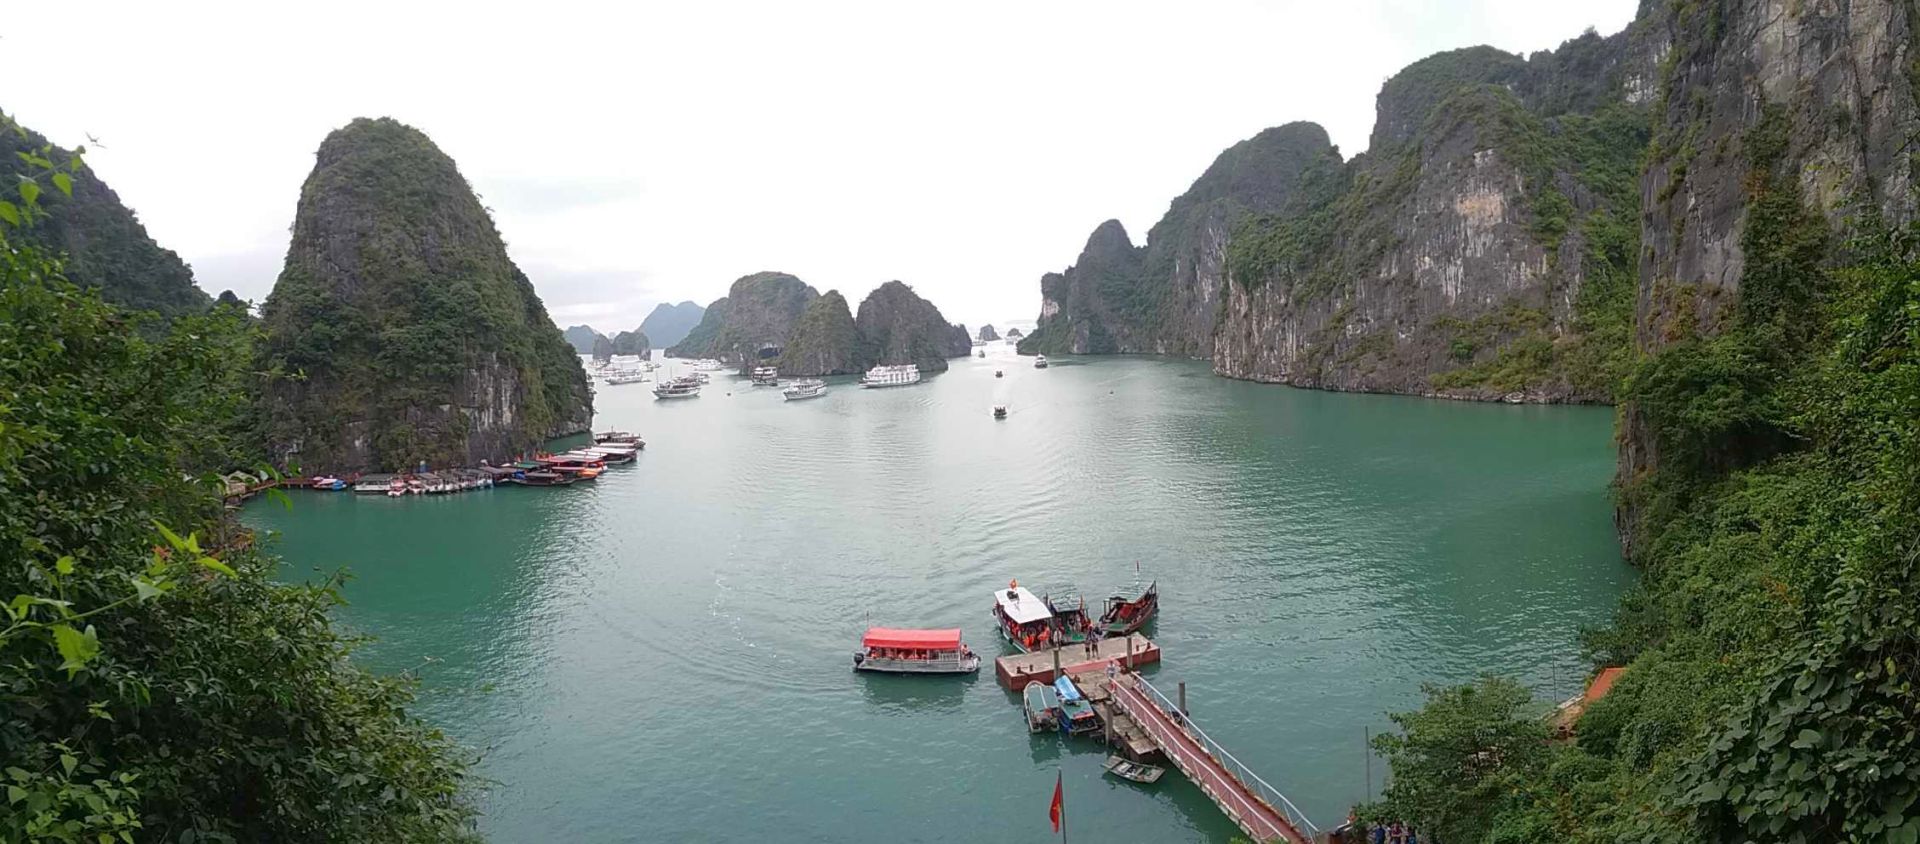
328	482
1124	615
999	411
983	352
1077	717
999	373
1130	770
1040	362
1042	705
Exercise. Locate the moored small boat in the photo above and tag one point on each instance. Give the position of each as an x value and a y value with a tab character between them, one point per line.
1129	770
1022	618
1124	615
906	651
1070	622
766	376
999	411
1040	362
1042	705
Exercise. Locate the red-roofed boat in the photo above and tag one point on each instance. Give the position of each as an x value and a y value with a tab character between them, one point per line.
902	651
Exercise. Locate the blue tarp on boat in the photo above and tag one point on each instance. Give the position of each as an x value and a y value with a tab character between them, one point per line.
1066	689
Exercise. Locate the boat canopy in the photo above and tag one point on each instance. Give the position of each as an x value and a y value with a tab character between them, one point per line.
926	640
1021	606
1066	689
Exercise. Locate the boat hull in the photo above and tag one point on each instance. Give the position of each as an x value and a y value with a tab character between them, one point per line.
887	665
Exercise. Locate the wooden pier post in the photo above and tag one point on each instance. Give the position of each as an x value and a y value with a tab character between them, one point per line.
1183	699
1056	664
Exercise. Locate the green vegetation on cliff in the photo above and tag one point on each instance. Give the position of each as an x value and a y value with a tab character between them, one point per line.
416	336
103	243
1772	645
824	340
159	685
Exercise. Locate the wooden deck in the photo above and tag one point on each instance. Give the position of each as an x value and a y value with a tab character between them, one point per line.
1127	736
1015	672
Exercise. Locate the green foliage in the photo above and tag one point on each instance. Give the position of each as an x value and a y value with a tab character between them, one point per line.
159	686
1459	759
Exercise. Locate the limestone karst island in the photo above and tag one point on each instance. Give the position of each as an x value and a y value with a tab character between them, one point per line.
1374	423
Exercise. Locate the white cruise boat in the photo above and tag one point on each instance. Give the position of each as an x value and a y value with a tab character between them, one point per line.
892	375
805	388
625	376
678	388
766	376
1040	362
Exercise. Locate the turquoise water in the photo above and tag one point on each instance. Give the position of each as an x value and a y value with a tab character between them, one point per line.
664	654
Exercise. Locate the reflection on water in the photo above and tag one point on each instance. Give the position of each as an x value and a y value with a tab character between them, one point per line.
665	653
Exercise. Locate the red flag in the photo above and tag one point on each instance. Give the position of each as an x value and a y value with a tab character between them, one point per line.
1059	807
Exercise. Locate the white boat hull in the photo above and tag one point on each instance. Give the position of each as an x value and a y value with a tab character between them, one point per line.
944	665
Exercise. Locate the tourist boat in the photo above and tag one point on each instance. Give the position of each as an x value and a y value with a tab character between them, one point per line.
999	373
1042	706
766	376
327	482
372	484
1022	618
1069	612
900	651
983	353
618	438
1127	769
1077	717
1124	615
625	376
416	486
544	477
397	487
612	456
708	365
999	411
891	375
678	388
806	388
1040	362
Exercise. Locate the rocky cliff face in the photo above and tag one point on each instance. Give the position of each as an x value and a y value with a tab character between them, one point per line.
987	334
897	326
418	338
1482	248
624	343
1779	130
669	324
1163	298
105	245
824	340
751	323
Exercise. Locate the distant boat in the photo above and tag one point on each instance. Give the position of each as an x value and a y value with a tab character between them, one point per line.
895	375
983	352
766	376
625	376
807	388
898	651
328	483
999	411
678	388
1040	362
999	373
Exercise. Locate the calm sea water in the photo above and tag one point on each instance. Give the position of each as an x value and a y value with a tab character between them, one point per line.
664	654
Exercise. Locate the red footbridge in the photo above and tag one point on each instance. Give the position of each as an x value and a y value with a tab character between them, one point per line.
1258	808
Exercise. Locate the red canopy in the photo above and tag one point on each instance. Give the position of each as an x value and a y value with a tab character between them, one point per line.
930	640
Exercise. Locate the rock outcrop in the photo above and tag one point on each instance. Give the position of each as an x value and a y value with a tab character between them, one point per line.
669	324
582	337
987	334
105	245
752	322
1013	335
897	326
1482	248
624	343
418	338
824	340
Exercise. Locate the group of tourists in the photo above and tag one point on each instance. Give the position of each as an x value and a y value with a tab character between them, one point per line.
1393	832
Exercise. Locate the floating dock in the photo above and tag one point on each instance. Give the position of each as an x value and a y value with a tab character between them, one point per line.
1015	672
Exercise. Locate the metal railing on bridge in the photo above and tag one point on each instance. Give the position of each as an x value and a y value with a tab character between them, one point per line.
1260	787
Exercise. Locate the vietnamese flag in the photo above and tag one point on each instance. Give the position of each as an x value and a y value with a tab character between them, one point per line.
1058	810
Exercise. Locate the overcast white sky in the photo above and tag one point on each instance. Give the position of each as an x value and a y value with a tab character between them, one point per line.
641	152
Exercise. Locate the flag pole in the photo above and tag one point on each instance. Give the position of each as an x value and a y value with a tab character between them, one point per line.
1061	778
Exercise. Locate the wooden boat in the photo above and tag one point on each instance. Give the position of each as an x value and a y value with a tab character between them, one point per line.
999	411
1125	615
1069	616
903	651
619	438
1130	770
1042	705
1022	618
1077	717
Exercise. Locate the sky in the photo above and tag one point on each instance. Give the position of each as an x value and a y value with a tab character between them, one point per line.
642	152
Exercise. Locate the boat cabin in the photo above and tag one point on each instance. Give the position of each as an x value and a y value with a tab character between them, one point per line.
1023	618
1069	615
